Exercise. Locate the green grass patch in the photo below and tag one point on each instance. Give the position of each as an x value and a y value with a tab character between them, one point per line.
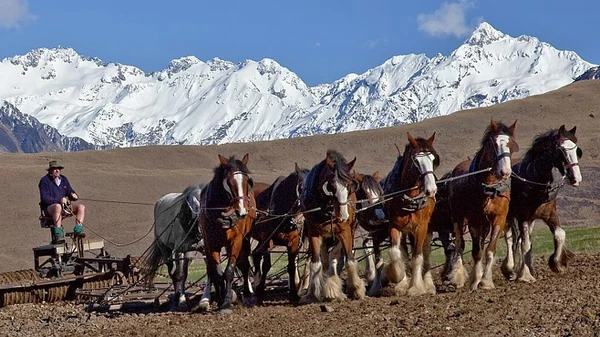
578	240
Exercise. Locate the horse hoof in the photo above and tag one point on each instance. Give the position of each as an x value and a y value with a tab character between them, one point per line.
225	311
250	301
203	306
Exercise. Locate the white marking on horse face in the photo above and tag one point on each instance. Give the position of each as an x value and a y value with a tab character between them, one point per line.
503	168
239	181
372	197
341	194
570	150
425	162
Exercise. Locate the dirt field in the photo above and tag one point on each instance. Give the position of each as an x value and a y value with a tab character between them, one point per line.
556	305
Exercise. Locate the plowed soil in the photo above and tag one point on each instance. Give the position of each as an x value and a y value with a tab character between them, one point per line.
565	304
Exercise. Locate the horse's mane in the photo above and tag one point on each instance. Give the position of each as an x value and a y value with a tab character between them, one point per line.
368	182
504	130
310	183
392	180
341	165
543	145
234	164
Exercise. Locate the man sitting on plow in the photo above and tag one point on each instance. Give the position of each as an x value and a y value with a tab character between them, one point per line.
56	195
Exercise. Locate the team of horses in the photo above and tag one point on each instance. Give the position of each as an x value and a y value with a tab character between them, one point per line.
321	209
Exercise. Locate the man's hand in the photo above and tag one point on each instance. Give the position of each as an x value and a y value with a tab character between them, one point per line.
74	196
63	200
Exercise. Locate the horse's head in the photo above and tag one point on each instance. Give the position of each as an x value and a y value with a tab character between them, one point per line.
337	182
423	162
370	192
498	145
300	175
236	182
570	154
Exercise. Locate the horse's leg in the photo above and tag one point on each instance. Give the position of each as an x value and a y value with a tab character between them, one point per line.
369	260
215	274
498	226
510	234
292	269
395	271
454	270
417	284
304	281
355	285
317	280
244	266
333	282
428	278
526	272
376	288
561	257
257	259
178	272
204	304
478	240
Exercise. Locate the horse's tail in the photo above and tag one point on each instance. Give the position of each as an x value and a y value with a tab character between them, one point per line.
151	263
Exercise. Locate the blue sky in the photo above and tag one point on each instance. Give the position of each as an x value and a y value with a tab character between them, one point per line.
319	40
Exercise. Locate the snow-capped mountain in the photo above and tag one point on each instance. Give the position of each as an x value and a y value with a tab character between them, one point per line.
213	102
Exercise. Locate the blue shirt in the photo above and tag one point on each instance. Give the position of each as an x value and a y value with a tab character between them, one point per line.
50	193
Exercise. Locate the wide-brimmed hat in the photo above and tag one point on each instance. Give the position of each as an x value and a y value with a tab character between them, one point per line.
54	164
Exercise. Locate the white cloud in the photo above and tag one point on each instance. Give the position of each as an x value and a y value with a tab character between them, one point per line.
374	43
14	13
447	20
317	44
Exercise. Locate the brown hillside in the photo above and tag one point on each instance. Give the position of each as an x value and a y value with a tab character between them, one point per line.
120	186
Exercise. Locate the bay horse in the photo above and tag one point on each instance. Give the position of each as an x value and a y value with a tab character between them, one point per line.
411	188
227	212
537	179
327	203
175	236
371	217
480	201
280	225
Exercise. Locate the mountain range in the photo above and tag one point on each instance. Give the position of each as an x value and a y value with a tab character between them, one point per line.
74	102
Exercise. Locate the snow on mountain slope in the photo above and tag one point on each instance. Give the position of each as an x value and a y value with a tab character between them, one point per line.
213	102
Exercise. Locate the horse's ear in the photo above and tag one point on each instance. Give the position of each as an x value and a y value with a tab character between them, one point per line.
297	168
561	130
511	129
223	160
573	130
358	177
245	159
376	176
411	140
431	139
493	125
351	164
329	162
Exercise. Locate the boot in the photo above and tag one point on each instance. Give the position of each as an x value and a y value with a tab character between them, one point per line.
78	231
58	235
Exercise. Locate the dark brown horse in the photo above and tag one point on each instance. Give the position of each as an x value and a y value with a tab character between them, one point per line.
228	210
280	224
371	217
537	178
327	203
480	202
412	188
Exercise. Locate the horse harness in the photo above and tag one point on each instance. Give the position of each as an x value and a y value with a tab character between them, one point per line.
491	191
229	218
